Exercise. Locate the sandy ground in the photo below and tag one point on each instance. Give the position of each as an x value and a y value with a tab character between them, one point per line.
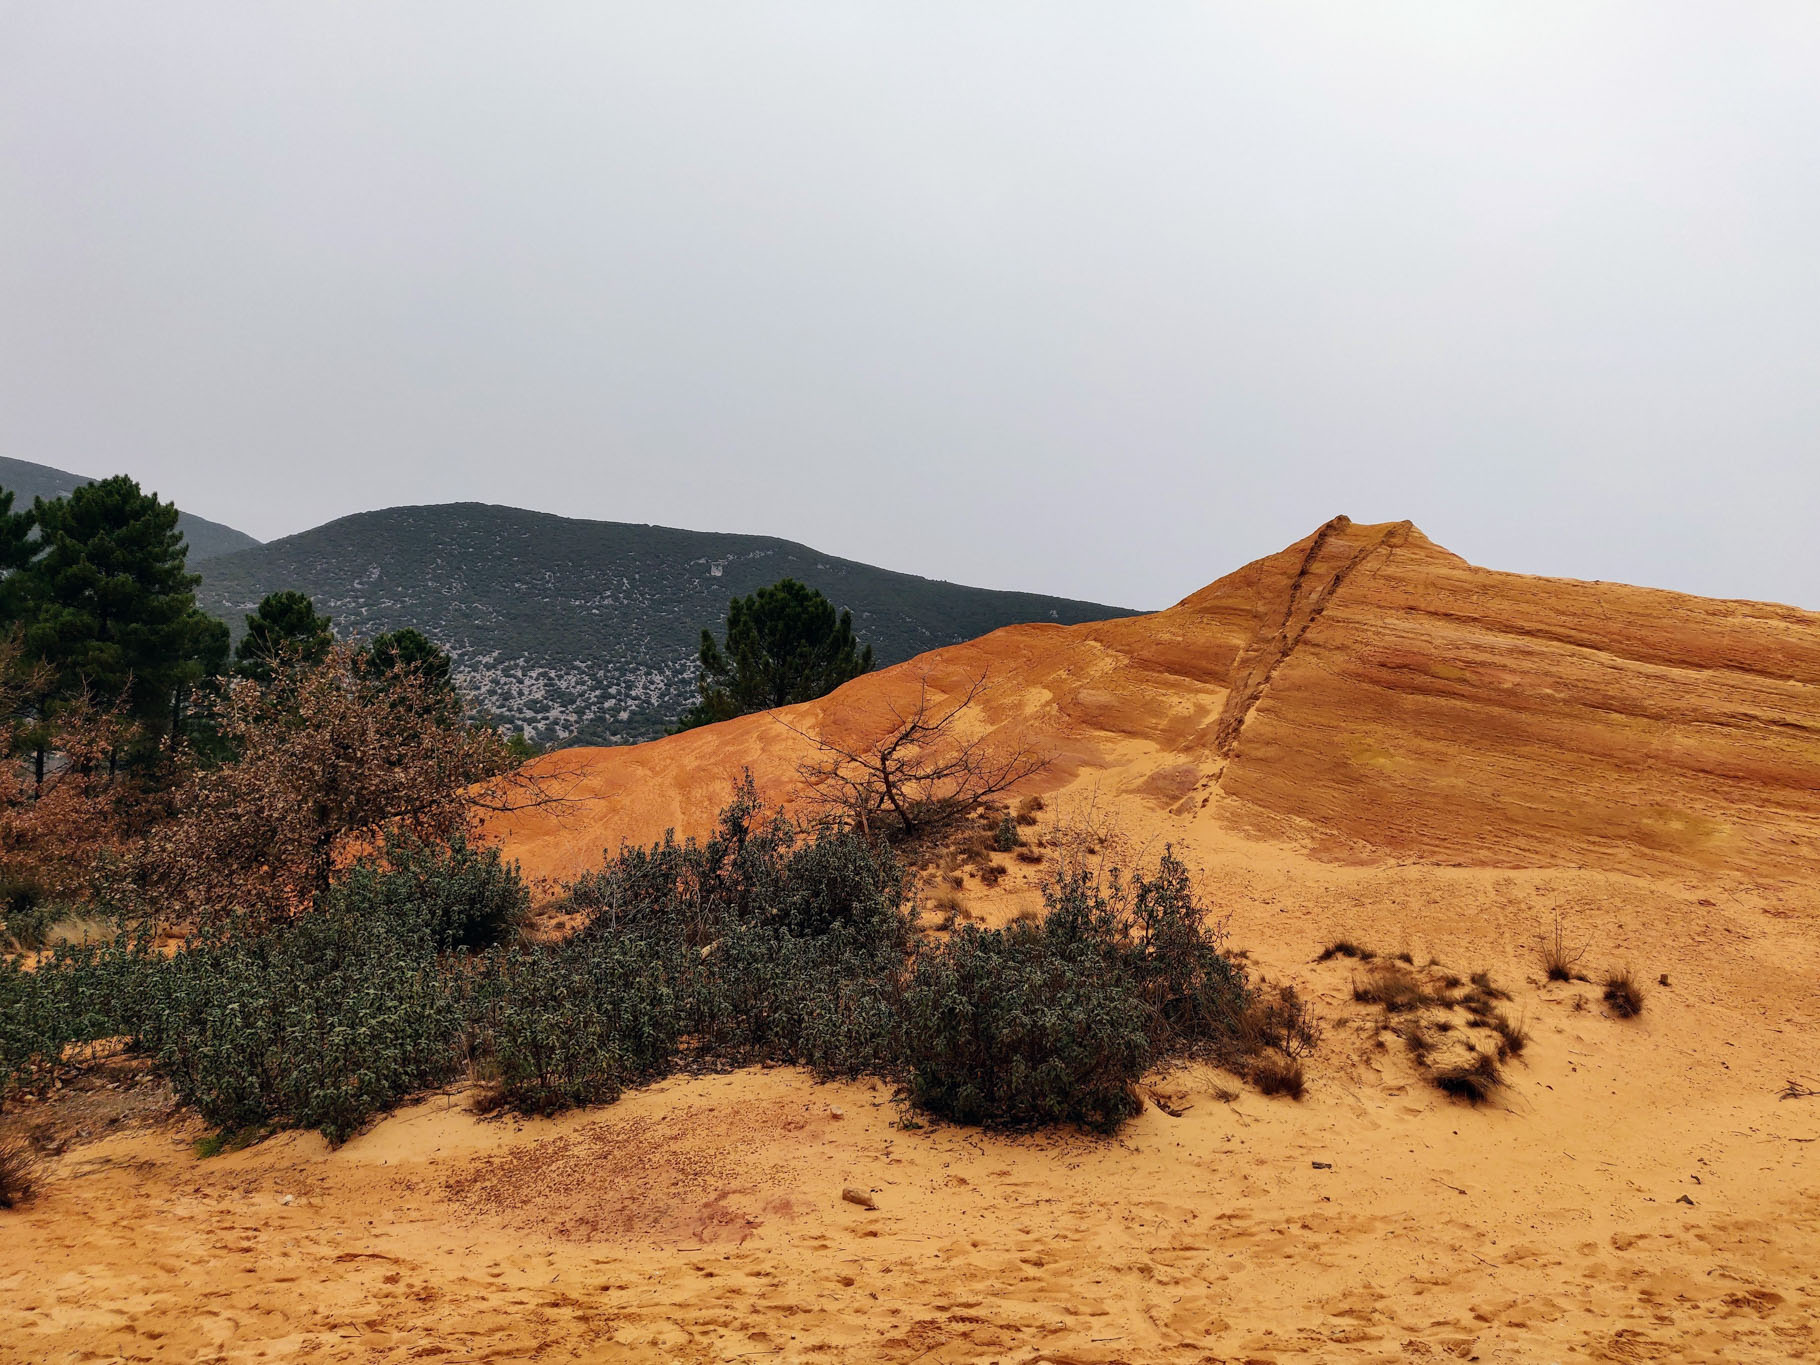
1638	1193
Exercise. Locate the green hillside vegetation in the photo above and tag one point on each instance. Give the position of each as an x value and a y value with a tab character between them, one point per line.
205	538
588	630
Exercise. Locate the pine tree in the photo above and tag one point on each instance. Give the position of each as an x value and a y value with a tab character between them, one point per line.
784	644
110	606
17	549
284	633
410	665
413	651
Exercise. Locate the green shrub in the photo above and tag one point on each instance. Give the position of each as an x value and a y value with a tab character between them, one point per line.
1057	1021
576	1023
1165	946
26	912
1005	839
320	1024
75	994
1022	1026
466	897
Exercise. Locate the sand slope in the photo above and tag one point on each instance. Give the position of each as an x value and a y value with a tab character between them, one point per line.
1364	682
1360	736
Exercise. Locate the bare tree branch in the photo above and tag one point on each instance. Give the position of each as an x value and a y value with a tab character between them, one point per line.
918	778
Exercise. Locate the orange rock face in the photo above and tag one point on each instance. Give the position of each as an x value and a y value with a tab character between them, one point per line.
1363	685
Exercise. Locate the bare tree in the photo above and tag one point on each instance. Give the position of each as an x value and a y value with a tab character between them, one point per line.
921	776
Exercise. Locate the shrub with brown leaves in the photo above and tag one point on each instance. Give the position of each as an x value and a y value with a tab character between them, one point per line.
328	760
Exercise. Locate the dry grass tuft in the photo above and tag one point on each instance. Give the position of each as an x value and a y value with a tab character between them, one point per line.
1623	994
1275	1073
1345	947
1391	985
1559	961
1513	1035
948	907
1473	1080
1482	982
1279	1020
18	1171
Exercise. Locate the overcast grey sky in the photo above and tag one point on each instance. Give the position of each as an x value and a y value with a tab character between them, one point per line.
1100	300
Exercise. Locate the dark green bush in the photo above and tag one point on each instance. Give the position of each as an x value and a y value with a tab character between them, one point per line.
1023	1026
26	913
576	1023
756	869
320	1024
1005	839
1038	1023
1165	948
465	897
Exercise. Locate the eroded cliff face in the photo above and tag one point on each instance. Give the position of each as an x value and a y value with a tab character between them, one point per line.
1444	711
1362	682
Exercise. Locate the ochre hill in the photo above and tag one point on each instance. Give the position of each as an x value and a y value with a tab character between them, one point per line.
1364	689
1361	738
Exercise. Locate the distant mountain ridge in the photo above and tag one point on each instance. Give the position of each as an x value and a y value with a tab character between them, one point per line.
588	630
205	538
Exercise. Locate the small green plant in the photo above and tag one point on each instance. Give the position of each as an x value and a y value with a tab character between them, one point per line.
230	1140
1006	838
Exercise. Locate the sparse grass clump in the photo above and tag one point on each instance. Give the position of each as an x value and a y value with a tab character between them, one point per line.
1391	985
1345	947
1473	1079
949	908
1513	1035
18	1171
1273	1073
1623	996
1457	1035
1560	961
1278	1018
1454	1065
1482	982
